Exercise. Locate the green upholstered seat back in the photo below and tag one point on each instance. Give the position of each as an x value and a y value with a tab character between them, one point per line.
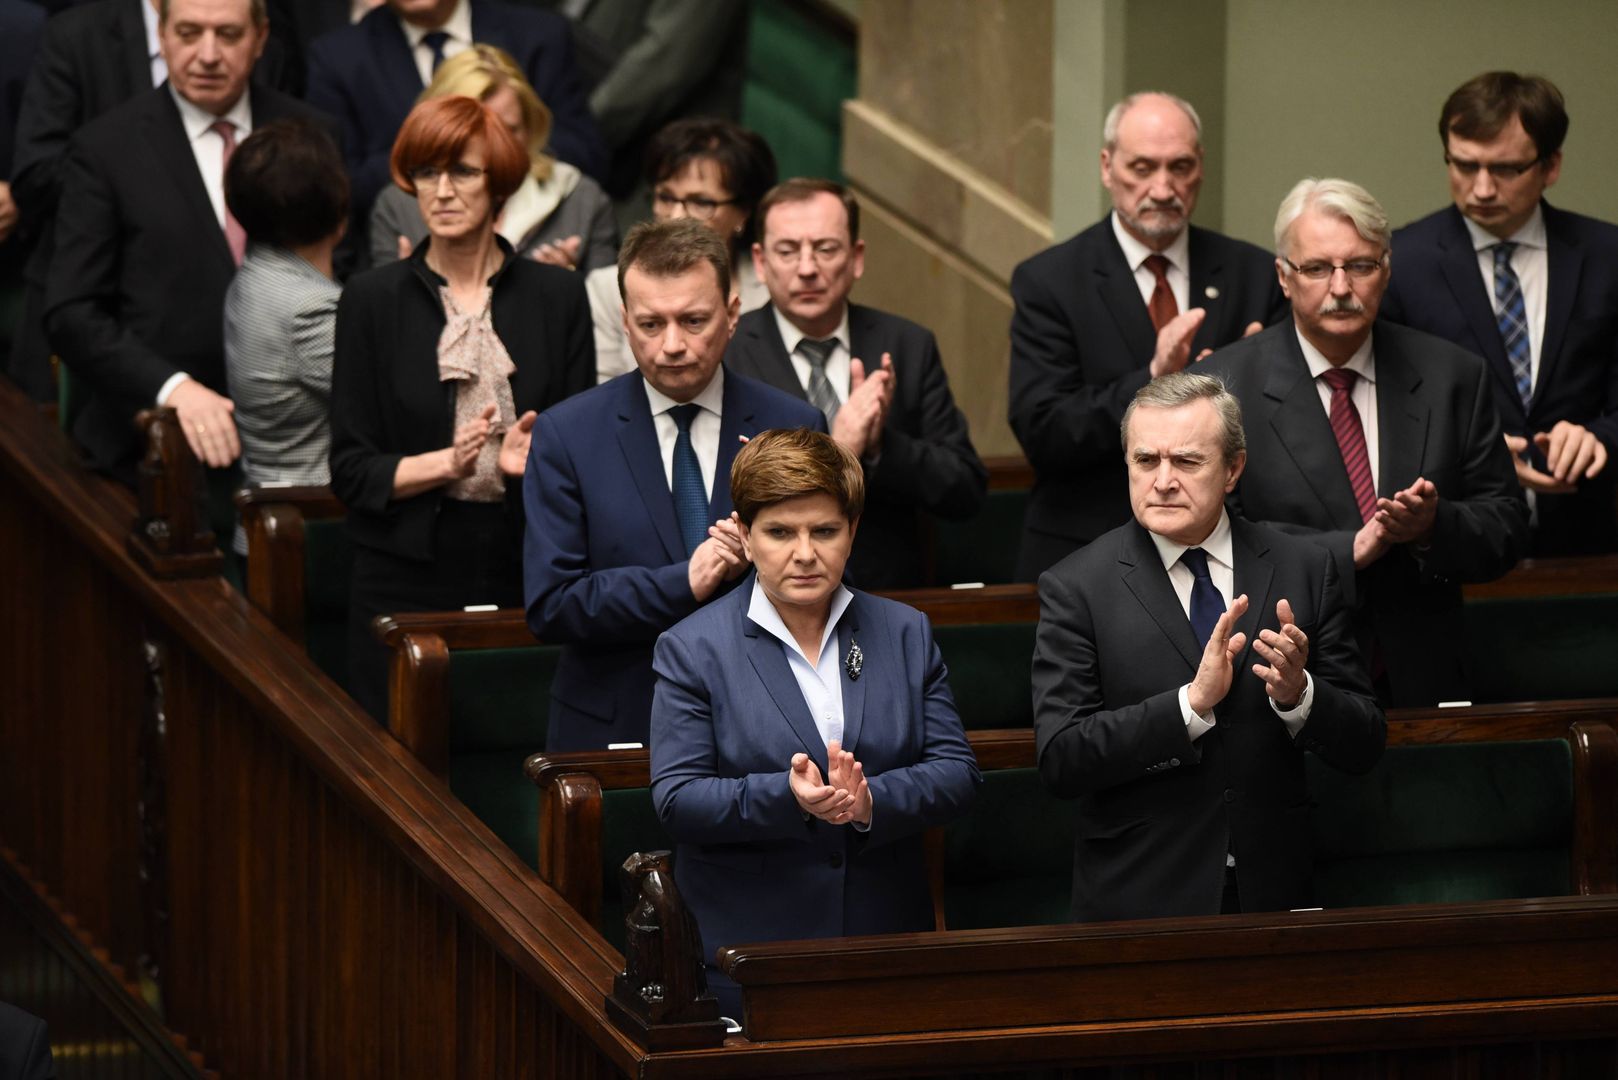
500	698
328	566
985	547
989	672
628	824
1009	861
492	785
1445	823
1543	648
799	71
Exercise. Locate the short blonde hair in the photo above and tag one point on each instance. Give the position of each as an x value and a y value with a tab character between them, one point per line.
478	73
785	464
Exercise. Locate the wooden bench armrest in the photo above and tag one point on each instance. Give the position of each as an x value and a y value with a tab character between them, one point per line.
505	628
273	518
1595	808
1566	575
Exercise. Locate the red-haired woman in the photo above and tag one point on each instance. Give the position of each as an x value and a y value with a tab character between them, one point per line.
442	361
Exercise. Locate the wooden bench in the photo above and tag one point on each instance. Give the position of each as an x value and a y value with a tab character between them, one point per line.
298	567
1011	857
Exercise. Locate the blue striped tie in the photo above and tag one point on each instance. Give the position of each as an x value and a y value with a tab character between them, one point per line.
690	500
1513	321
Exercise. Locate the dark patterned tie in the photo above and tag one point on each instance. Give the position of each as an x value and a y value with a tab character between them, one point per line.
821	394
1163	306
1206	603
235	235
435	40
690	500
1512	318
1350	433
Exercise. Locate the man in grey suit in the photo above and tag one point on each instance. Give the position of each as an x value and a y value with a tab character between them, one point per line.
1184	663
1380	443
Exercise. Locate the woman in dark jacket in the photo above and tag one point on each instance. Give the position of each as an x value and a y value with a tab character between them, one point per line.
442	362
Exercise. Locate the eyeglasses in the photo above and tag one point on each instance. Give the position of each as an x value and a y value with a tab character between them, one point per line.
1320	270
824	252
699	207
460	176
1506	171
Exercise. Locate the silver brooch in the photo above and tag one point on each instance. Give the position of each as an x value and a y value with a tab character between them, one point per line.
855	662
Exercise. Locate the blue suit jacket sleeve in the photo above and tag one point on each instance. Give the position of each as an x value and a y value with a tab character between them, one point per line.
568	599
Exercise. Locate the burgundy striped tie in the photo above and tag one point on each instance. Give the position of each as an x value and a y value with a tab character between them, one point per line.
1345	424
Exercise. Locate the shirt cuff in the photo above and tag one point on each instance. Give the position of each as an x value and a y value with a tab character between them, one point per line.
1196	725
1295	717
168	387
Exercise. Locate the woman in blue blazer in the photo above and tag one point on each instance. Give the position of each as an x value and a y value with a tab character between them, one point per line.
803	734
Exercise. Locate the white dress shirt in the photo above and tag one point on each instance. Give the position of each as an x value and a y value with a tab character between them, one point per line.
154	44
704	427
1531	260
1178	254
208	147
837	361
1363	395
1222	571
459	29
820	679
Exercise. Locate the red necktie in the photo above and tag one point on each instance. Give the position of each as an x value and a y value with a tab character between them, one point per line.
235	235
1345	425
1163	306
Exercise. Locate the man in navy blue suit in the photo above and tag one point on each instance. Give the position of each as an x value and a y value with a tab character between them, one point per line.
627	487
368	76
1531	289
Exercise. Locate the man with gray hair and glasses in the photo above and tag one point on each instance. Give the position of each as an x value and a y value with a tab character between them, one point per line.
1379	442
1139	294
1184	663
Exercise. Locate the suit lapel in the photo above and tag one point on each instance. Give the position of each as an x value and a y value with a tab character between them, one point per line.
637	437
1121	295
1304	432
769	660
1459	263
1207	272
766	357
1565	262
853	689
167	138
736	420
1253	575
1401	417
392	50
1143	573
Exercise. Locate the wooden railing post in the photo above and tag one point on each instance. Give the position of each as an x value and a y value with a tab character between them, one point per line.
661	997
172	538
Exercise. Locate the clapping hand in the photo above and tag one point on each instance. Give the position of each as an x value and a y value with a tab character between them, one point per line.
1212	681
1287	650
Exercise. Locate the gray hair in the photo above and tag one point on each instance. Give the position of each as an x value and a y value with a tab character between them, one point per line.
1115	115
1341	199
1182	388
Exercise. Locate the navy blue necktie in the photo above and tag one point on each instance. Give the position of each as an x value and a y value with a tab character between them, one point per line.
1512	317
1206	603
435	40
690	500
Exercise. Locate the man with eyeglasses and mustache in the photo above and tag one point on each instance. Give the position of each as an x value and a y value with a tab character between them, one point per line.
1137	295
1379	442
1531	289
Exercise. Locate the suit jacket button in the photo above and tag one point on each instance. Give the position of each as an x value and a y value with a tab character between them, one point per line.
836	860
1174	762
1230	796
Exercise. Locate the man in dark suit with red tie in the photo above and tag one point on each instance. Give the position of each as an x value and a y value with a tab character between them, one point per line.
1378	442
1137	295
1531	289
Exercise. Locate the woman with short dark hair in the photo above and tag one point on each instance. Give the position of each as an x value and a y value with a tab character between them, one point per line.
803	733
443	361
287	187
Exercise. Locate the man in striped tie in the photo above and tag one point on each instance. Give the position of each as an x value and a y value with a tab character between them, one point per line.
1379	442
1533	290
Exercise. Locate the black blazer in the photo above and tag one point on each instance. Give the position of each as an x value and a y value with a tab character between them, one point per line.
365	76
1435	419
1081	344
25	1047
1436	287
927	463
387	401
136	288
1158	812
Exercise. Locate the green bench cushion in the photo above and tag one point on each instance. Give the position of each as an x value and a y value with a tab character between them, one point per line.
798	75
1009	861
492	785
1542	649
989	672
328	567
500	698
1452	822
983	548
